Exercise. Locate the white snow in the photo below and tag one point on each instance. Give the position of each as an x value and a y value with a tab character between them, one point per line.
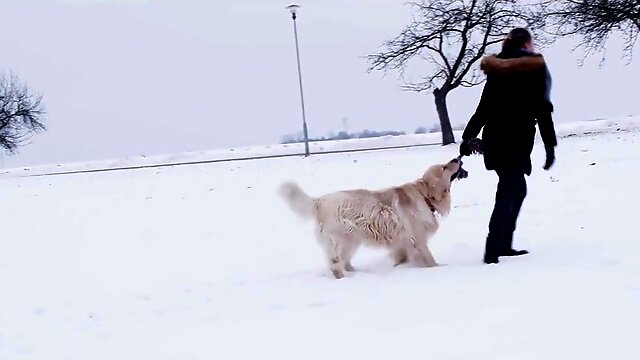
206	262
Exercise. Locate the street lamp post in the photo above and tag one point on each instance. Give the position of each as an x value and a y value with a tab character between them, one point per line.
293	9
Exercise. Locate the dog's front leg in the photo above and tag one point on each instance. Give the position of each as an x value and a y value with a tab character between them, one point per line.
428	257
424	256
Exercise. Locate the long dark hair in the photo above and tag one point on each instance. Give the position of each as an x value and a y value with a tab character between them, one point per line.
516	39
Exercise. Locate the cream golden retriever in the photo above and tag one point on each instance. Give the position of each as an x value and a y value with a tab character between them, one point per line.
401	218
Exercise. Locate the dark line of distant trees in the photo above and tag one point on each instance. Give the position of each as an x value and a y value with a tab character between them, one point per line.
343	135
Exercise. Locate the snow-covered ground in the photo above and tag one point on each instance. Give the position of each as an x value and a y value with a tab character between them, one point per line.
206	262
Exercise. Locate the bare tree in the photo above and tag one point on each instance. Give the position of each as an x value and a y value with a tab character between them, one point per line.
21	113
594	21
451	36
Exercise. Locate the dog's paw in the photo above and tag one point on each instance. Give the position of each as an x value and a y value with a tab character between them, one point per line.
338	274
424	264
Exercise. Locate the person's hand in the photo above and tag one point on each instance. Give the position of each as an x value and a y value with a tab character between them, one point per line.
471	146
551	158
465	149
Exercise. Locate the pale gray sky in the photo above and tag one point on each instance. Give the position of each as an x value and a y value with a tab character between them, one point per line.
131	77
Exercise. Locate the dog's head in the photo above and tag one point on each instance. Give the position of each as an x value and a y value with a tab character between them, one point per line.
437	184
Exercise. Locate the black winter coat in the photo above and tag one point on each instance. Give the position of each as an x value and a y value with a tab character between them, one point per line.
515	97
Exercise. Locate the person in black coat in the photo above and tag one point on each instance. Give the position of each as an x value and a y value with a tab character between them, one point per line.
515	97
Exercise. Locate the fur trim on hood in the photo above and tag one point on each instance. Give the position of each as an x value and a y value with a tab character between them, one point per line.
493	64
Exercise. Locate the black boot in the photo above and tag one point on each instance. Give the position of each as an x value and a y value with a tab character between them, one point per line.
513	252
490	259
507	248
491	250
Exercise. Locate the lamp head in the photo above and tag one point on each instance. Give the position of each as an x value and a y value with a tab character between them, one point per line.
293	8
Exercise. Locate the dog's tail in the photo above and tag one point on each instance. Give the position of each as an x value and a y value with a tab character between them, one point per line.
301	203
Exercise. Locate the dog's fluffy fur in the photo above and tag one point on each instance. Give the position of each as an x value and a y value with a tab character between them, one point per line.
401	218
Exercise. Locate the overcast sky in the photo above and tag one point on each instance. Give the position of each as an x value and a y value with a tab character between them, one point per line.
132	77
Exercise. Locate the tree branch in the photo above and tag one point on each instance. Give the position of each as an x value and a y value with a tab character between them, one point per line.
593	21
21	114
468	27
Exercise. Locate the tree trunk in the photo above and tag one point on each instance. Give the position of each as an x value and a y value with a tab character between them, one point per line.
443	113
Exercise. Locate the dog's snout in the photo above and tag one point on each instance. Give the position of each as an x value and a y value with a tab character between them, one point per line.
455	161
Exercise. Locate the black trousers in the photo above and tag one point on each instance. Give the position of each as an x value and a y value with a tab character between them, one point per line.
511	192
